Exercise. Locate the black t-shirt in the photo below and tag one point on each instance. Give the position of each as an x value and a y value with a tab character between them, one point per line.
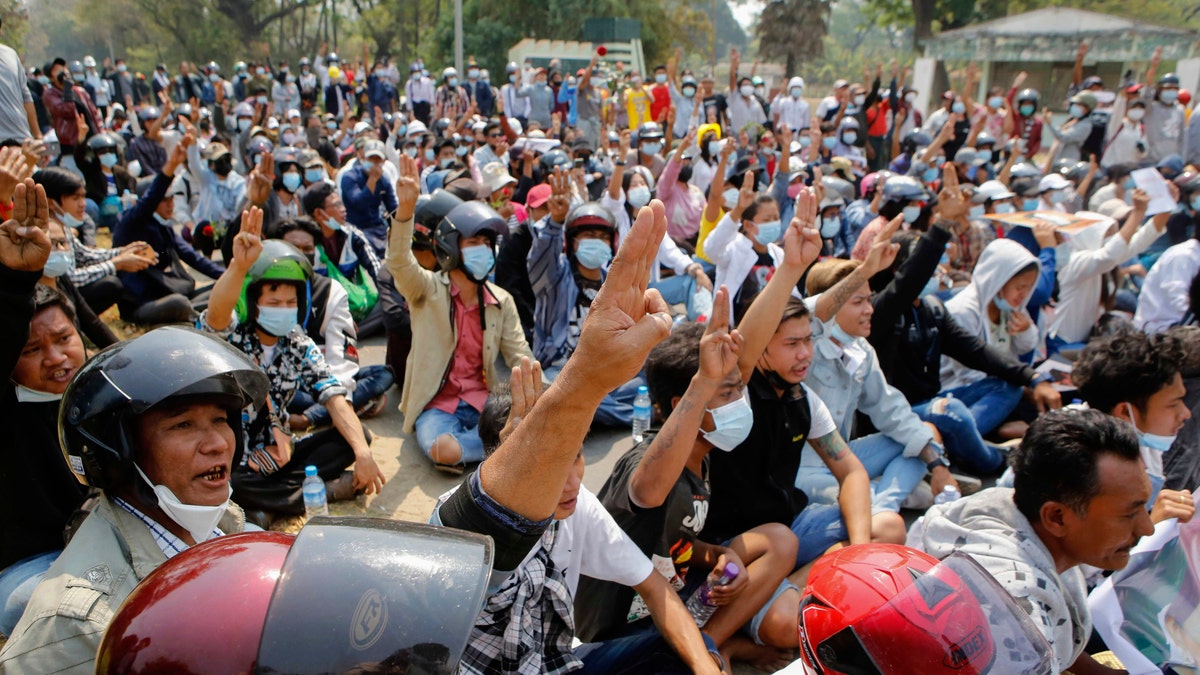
665	534
755	483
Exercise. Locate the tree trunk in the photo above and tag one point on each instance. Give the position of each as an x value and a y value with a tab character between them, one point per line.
923	11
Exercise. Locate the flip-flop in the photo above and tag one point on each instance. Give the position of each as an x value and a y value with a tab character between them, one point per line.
452	469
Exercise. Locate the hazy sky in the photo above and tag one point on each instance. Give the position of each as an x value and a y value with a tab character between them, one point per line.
746	12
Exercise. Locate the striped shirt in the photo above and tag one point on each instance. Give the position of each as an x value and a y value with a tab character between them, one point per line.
169	543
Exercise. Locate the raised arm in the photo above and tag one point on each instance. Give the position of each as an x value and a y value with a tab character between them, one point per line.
880	257
716	189
618	174
665	459
247	246
801	246
526	473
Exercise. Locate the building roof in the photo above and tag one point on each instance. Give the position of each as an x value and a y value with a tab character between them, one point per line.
1039	36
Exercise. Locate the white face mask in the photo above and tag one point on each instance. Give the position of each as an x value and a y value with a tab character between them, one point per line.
1136	114
747	90
27	395
733	422
199	521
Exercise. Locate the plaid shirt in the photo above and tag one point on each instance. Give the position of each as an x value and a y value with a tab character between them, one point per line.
91	264
169	543
527	626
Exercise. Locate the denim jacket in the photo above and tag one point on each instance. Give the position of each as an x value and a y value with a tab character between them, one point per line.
865	390
65	619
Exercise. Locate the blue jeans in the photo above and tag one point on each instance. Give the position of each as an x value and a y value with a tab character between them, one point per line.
646	652
616	410
463	425
818	527
369	383
893	476
17	582
991	400
955	422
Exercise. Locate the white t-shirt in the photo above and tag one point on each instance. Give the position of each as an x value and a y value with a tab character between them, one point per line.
588	542
822	421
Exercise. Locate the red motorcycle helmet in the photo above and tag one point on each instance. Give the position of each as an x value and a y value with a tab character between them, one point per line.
885	609
344	595
200	612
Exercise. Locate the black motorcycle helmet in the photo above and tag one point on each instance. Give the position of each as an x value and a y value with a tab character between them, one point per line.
98	411
555	158
1028	96
442	126
104	141
913	140
465	220
429	212
590	216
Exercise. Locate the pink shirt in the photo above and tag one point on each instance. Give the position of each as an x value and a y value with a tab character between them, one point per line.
465	380
684	205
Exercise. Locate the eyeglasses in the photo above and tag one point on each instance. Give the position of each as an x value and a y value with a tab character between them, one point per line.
496	135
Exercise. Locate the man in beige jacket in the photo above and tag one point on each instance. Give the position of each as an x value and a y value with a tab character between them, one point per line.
461	323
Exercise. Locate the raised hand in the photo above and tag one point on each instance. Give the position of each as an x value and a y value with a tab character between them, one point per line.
525	384
13	169
1141	200
1018	322
720	347
883	252
560	196
247	245
25	238
802	240
626	320
261	180
408	188
952	204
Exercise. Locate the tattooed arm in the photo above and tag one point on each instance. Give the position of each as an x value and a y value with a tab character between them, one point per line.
663	463
854	494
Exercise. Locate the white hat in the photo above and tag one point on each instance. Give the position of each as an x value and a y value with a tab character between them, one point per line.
495	177
292	112
796	82
992	190
361	127
1053	181
89	62
515	125
272	123
416	127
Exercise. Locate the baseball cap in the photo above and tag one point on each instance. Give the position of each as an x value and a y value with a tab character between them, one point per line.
538	196
374	148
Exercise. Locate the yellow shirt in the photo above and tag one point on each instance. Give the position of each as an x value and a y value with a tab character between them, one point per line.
637	105
706	228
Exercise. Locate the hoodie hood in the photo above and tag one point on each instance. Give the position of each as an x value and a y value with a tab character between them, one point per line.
1000	261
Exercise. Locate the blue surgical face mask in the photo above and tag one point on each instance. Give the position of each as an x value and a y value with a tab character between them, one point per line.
911	213
108	159
1004	208
830	142
714	148
639	196
651	148
958	108
805	141
839	334
931	174
453	82
59	263
277	321
291	181
830	227
314	175
1156	442
1075	110
478	260
593	253
430	156
976	211
769	232
244	123
850	138
1196	202
1169	96
983	156
1002	304
732	423
996	102
69	220
1029	205
333	224
1056	197
1028	110
796	92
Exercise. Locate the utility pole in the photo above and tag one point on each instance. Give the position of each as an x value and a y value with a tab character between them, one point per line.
458	36
712	20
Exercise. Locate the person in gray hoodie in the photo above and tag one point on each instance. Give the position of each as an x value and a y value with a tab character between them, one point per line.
993	307
1079	497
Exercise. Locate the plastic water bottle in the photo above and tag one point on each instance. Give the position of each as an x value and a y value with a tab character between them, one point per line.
641	413
314	493
948	494
699	604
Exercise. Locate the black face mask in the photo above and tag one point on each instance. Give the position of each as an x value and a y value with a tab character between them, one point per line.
685	173
223	166
312	258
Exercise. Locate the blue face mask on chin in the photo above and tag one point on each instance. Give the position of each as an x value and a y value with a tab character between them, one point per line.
277	321
1002	304
769	232
593	253
839	334
478	261
1156	442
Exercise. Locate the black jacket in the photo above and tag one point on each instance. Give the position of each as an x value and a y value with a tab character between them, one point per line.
38	493
910	339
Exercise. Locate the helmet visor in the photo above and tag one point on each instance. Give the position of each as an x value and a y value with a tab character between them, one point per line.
955	618
376	595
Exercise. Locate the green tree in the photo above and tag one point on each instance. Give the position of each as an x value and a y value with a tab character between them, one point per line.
793	31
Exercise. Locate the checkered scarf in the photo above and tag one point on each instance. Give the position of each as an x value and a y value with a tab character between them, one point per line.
527	626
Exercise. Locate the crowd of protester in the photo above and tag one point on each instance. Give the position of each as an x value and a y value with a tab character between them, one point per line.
835	309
